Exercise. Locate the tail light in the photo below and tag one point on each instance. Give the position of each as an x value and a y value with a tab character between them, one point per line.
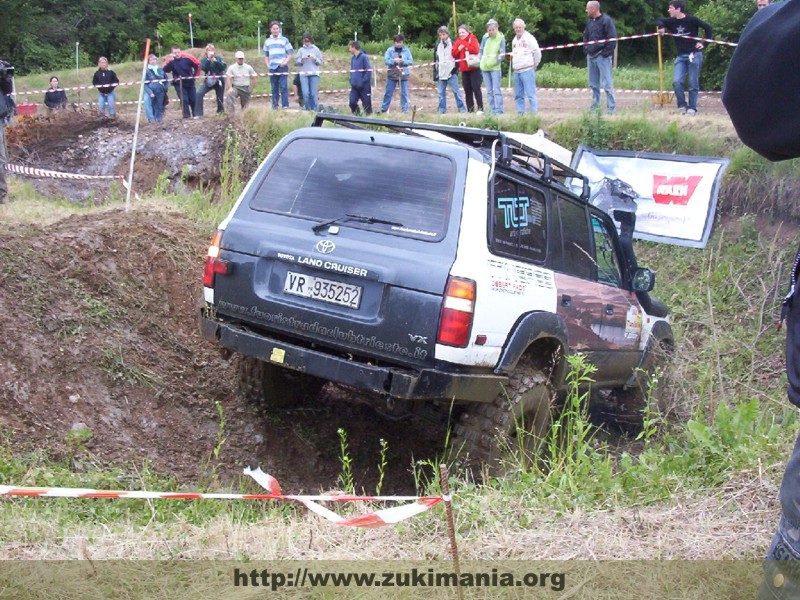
214	264
457	312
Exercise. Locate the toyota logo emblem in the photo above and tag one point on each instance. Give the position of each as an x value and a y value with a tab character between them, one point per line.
325	247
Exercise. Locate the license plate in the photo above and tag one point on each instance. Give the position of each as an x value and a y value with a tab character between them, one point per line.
319	288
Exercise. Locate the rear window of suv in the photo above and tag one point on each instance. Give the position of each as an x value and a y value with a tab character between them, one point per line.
392	190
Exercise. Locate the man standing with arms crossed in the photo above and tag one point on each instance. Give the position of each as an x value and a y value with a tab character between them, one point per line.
690	52
600	56
277	53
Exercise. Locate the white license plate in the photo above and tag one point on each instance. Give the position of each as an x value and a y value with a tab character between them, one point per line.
319	288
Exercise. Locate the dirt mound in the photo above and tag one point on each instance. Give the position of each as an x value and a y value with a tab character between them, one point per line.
186	150
103	363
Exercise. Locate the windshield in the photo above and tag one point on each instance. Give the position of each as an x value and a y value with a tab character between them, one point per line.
392	190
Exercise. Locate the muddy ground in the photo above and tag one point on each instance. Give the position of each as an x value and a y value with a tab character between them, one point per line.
100	357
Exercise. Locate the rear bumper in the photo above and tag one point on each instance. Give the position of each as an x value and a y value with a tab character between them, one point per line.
425	384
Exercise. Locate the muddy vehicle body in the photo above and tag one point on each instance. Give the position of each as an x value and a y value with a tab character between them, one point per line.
434	267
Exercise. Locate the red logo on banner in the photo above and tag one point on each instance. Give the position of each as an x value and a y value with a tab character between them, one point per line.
674	190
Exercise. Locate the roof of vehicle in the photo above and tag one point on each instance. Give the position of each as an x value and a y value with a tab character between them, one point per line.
495	146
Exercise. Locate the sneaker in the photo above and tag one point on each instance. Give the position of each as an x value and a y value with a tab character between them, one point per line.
691	112
682	110
480	112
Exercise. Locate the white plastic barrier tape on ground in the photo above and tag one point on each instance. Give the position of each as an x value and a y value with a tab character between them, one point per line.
35	172
388	516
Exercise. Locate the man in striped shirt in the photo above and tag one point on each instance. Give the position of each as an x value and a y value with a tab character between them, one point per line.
277	53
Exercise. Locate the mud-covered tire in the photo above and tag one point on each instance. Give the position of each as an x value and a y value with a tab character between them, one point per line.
269	386
491	435
625	407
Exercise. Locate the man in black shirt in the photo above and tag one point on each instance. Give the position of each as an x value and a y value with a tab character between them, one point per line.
760	94
690	52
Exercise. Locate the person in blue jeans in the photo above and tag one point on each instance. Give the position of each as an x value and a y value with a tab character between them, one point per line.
493	52
155	90
309	58
684	26
397	58
598	35
106	82
277	53
762	71
446	71
525	57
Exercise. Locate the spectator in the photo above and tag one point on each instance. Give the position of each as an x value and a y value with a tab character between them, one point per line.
690	52
55	98
106	81
213	68
155	90
298	89
599	57
6	114
762	4
397	58
447	71
493	51
360	79
277	52
525	57
762	75
467	49
241	81
184	68
309	58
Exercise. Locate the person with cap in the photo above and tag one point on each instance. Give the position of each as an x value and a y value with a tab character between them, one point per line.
309	58
493	51
214	69
398	59
241	79
761	79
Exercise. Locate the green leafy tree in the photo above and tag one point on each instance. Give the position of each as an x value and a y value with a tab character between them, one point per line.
728	18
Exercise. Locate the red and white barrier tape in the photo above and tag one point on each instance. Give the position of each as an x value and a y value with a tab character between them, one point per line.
418	66
34	172
388	516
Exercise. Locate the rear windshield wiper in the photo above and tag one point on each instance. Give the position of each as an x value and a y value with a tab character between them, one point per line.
361	219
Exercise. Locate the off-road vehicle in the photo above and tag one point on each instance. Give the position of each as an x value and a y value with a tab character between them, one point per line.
433	266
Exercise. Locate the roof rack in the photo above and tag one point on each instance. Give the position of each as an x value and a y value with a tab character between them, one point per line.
502	148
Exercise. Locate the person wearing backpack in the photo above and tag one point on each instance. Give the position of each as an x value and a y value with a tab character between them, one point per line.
446	71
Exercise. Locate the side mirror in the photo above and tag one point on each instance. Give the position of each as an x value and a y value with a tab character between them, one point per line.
644	280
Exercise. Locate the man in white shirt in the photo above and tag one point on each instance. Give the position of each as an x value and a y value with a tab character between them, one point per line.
525	57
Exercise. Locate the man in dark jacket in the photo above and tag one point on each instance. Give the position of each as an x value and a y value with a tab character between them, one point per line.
759	93
690	52
7	109
184	68
360	79
600	56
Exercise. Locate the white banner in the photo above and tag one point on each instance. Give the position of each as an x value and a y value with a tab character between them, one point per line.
677	194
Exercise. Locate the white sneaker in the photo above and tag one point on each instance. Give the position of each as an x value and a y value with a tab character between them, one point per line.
691	112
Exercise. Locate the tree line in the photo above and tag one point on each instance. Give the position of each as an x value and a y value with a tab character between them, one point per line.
41	35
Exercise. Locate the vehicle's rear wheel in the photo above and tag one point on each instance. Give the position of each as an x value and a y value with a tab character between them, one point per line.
507	432
627	407
269	386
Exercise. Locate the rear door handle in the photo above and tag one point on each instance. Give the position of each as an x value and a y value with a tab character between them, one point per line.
566	300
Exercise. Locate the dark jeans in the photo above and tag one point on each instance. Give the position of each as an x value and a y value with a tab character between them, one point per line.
187	96
279	79
364	94
782	568
472	89
219	88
